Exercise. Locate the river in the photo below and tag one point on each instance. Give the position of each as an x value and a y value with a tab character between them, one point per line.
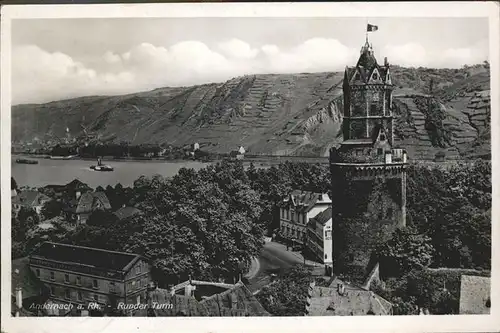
60	172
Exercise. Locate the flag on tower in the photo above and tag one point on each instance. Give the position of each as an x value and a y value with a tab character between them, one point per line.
371	27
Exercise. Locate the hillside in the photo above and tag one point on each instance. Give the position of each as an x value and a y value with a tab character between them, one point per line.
287	114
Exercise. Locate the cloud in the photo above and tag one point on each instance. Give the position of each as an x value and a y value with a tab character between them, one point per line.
415	55
40	76
410	54
237	49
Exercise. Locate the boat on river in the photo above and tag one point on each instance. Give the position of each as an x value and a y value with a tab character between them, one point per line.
101	167
69	157
26	161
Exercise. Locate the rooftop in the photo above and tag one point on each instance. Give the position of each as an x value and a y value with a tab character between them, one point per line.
235	302
305	200
30	198
126	212
323	217
354	301
86	256
89	200
229	300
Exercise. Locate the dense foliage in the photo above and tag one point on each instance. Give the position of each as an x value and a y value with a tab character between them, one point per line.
208	224
200	223
287	296
452	206
449	213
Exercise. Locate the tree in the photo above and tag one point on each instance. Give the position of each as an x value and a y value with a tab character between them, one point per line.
26	219
102	218
288	295
51	209
403	252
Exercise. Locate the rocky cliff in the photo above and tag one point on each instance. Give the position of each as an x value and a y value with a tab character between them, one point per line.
292	114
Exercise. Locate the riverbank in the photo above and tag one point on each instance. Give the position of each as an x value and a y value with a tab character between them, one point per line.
114	159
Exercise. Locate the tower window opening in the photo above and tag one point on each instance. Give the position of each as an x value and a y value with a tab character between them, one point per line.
375	76
357	76
382	137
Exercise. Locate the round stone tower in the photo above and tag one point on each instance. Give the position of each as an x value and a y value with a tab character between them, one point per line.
368	171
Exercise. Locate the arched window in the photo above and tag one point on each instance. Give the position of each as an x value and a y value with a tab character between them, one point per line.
375	76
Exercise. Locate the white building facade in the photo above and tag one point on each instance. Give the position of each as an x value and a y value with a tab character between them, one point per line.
319	237
297	209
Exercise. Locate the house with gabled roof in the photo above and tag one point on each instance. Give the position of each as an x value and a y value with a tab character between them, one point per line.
238	154
81	275
29	199
90	202
297	209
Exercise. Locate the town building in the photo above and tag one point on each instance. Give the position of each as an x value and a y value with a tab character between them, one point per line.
203	298
238	154
297	209
29	199
126	212
27	291
440	156
341	299
90	202
83	275
368	170
319	239
475	295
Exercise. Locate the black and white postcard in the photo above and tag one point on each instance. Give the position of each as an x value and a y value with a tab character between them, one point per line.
294	160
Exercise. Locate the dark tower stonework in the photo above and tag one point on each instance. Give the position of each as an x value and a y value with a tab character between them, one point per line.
368	171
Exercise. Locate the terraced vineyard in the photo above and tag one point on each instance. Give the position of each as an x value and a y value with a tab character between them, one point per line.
288	114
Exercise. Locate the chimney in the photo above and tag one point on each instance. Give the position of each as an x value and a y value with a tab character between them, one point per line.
19	298
341	289
386	63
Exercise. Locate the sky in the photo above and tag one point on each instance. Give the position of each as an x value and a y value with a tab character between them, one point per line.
54	59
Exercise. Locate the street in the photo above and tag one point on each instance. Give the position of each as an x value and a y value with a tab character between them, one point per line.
274	258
